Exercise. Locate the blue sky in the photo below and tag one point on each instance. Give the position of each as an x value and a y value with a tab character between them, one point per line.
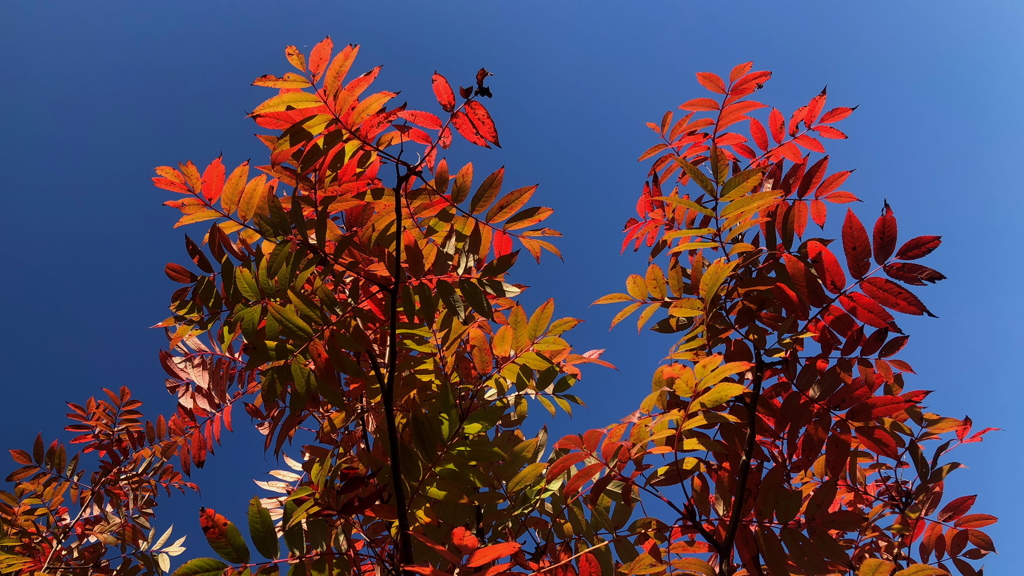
96	94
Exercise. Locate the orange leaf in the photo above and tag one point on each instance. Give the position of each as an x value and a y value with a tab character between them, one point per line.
213	180
319	56
711	81
492	553
295	58
700	105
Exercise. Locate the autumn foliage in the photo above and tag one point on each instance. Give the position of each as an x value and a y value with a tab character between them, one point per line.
350	297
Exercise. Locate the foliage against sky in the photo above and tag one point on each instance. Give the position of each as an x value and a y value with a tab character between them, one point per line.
949	64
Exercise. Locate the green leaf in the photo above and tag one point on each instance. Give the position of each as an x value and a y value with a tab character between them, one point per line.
223	536
287	318
201	567
247	284
740	184
527	476
720	394
699	177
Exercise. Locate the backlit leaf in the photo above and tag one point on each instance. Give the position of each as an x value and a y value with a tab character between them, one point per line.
856	246
956	508
487	192
443	92
876	567
223	536
492	553
261	530
918	247
893	296
711	81
201	567
922	570
179	273
885	235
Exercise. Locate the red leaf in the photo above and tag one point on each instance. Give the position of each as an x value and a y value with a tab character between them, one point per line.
885	235
425	119
956	508
877	440
893	296
777	124
179	273
700	105
856	246
466	128
443	92
893	346
913	274
878	407
737	72
492	553
589	566
758	133
711	81
827	266
836	114
976	521
805	283
482	121
814	106
841	197
831	183
868	311
749	83
799	215
812	177
790	152
810	142
464	540
918	247
819	212
829	132
213	180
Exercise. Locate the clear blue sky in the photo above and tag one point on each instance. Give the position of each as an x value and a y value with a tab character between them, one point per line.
95	94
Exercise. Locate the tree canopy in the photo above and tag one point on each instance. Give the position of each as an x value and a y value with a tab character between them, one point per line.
351	297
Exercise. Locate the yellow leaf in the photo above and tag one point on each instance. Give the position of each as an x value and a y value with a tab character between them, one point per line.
876	567
714	277
655	281
720	394
921	570
282	102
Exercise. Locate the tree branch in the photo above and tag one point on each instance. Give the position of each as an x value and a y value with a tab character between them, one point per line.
725	565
